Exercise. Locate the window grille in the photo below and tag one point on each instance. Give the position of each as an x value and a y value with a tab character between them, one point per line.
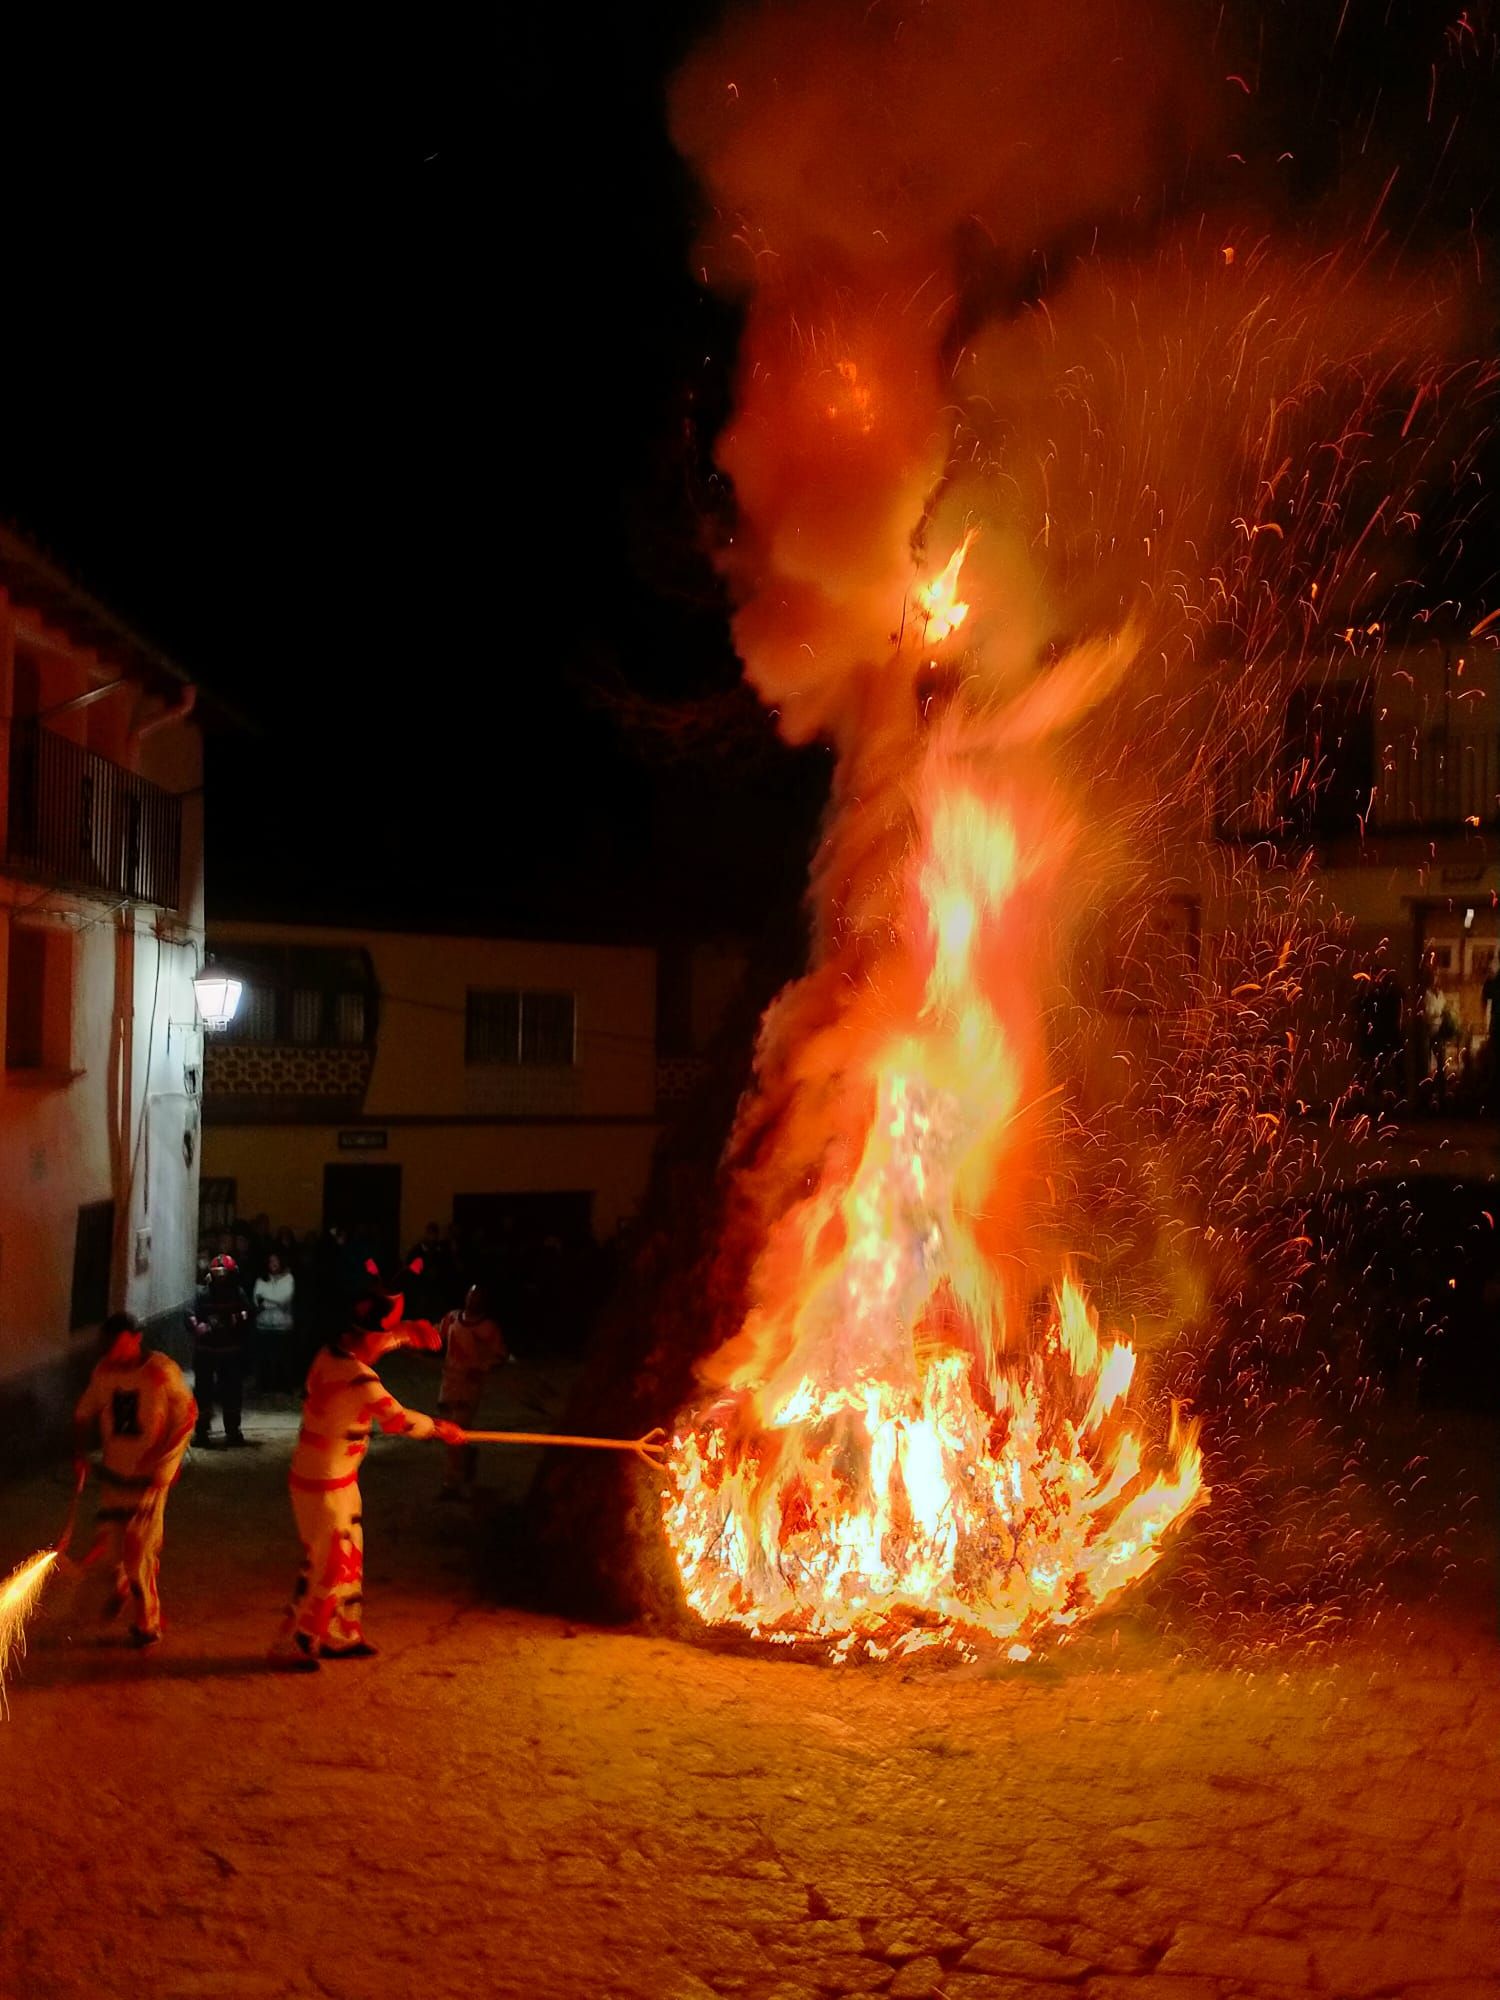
307	1016
349	1020
521	1029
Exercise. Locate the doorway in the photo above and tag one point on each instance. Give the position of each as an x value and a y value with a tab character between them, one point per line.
1457	950
365	1202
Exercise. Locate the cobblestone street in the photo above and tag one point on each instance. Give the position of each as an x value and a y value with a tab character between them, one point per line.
501	1804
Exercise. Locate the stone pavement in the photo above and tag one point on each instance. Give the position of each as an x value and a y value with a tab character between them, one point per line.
503	1805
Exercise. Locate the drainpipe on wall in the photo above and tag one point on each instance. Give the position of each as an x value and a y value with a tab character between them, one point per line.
119	1096
121	1093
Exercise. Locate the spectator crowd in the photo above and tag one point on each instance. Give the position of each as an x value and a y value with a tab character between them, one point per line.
268	1298
1432	1050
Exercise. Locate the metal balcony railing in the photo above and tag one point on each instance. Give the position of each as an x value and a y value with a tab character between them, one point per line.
90	824
1443	779
1439	781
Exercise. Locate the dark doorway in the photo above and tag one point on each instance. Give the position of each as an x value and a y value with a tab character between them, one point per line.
93	1248
365	1202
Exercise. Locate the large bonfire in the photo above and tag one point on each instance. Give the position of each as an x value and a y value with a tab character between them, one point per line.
1040	510
907	1450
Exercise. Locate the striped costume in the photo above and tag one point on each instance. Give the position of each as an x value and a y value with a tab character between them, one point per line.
145	1413
343	1399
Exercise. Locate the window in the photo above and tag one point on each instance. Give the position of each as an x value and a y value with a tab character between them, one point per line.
26	999
1327	759
216	1206
492	1028
307	1015
349	1020
26	685
255	1017
38	998
306	995
547	1025
537	1030
93	1247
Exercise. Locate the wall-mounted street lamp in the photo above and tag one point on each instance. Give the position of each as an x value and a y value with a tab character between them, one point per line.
218	996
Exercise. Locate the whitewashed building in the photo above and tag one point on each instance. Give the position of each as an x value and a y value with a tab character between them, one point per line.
101	935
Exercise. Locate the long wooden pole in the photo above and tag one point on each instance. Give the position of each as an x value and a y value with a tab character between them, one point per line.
79	1477
652	1447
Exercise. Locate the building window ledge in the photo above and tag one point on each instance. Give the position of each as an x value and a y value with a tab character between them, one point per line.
42	1078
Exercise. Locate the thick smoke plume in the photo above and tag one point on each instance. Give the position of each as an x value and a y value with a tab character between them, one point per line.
879	182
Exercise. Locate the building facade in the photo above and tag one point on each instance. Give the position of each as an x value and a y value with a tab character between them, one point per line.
1388	770
376	1081
101	931
1368	815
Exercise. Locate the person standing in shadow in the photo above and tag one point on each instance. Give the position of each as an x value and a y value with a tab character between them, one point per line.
219	1321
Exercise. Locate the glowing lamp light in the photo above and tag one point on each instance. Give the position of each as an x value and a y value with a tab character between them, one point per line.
218	996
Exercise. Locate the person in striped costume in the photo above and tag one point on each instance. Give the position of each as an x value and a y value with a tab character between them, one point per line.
344	1399
144	1411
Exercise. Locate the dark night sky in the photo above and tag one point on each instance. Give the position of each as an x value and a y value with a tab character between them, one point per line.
341	377
353	363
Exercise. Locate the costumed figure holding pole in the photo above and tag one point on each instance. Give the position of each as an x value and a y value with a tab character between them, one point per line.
145	1413
344	1398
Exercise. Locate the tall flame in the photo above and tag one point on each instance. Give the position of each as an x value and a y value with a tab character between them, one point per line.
898	1463
916	1432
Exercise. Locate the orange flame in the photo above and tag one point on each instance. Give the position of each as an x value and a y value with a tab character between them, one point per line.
941	605
890	1470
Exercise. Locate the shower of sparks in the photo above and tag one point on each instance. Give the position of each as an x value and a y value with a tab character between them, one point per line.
19	1596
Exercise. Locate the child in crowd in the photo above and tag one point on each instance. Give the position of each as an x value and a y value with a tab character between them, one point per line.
145	1412
344	1398
474	1345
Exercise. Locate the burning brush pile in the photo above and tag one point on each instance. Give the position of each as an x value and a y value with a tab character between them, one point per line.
1053	477
899	1458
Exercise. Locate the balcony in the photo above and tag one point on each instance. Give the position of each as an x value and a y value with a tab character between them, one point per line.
301	1048
275	1083
88	824
1431	782
1449	778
